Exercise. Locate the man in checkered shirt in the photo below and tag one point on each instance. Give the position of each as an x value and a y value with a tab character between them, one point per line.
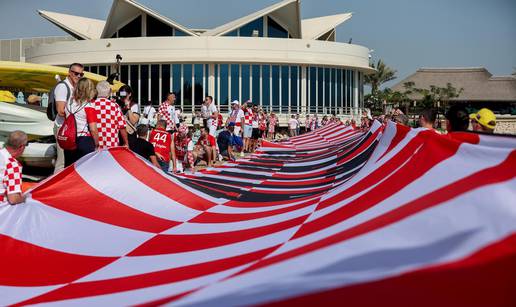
109	118
11	170
167	112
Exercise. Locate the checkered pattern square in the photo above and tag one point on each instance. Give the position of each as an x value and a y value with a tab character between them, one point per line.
109	122
164	112
11	179
248	114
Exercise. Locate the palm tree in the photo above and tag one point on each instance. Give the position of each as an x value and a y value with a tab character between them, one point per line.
383	74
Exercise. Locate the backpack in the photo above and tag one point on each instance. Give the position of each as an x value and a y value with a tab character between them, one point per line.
51	107
67	134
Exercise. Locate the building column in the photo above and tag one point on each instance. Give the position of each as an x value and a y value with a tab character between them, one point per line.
303	89
211	82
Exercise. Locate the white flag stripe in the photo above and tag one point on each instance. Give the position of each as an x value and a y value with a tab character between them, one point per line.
95	237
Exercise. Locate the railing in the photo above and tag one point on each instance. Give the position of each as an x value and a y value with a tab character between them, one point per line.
287	110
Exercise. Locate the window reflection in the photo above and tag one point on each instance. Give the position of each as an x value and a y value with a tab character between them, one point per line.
187	86
144	83
275	88
235	74
245	82
266	86
198	86
224	84
285	76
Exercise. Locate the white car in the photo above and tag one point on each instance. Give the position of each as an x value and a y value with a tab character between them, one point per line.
41	151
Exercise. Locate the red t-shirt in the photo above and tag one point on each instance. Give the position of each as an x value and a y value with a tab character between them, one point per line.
161	140
207	141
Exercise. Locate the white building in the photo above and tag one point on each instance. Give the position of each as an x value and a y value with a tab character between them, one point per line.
271	57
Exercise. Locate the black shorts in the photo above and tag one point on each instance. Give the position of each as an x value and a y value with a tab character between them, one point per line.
256	134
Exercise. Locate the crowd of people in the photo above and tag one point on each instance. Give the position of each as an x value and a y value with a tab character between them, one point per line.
457	119
89	118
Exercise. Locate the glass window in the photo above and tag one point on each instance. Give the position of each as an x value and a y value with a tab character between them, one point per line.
179	33
339	88
327	92
313	88
256	84
235	83
124	74
102	70
176	82
266	86
94	69
348	87
199	90
246	95
232	33
144	83
275	87
224	84
256	25
275	30
206	79
187	86
320	88
353	85
157	28
217	82
333	89
134	80
165	84
294	103
154	83
132	29
285	77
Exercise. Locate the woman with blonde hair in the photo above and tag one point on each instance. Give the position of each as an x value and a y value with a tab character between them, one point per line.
85	119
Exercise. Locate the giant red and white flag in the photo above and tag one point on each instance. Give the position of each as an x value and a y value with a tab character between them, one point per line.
391	216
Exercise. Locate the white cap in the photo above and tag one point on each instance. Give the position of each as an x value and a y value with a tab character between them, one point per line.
235	102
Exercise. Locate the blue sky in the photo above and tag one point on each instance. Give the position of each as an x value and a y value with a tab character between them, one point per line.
406	34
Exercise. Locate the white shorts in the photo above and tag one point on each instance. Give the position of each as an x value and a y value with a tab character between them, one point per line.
237	130
248	131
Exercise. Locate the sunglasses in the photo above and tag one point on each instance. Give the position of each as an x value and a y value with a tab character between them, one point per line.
77	74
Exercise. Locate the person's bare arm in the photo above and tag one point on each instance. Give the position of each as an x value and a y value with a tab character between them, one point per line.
94	133
60	106
15	198
125	139
154	161
133	117
173	151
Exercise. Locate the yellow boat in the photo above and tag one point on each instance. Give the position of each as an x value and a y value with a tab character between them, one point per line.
37	78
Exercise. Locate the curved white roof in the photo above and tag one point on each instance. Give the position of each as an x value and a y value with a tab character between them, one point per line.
314	28
123	11
77	26
285	12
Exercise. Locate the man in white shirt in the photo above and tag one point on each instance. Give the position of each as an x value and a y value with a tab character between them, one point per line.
204	113
213	115
292	125
63	93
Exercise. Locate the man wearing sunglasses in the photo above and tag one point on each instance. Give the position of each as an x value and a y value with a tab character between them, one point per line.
63	95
